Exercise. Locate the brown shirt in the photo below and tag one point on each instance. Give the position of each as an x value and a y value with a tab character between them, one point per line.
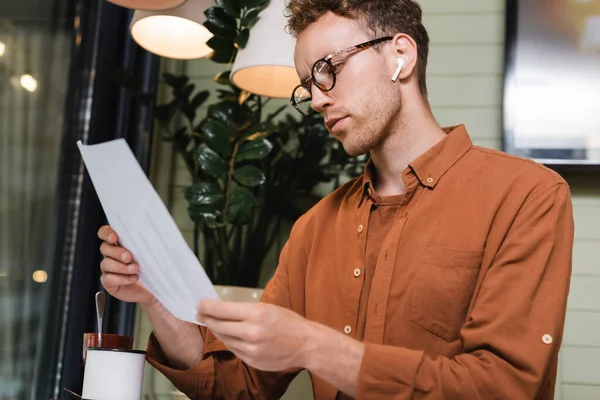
381	218
468	295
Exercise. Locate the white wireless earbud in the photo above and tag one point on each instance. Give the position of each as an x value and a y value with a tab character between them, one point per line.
400	65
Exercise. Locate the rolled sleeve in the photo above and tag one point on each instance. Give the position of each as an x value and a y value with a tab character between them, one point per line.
513	333
388	372
221	375
195	382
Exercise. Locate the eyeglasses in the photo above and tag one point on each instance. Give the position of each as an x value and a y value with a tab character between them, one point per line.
323	75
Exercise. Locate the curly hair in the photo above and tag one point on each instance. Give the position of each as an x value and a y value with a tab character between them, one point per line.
375	17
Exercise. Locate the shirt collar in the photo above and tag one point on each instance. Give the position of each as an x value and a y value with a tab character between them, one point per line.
433	164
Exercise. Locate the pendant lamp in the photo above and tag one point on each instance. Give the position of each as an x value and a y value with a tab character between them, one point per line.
176	33
147	4
266	65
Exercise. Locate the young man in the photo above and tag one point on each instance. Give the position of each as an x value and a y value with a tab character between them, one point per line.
441	273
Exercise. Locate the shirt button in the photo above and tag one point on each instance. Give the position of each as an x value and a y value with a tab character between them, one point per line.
360	228
430	180
547	339
357	272
347	330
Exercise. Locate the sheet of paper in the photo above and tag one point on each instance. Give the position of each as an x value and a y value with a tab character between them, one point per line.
168	267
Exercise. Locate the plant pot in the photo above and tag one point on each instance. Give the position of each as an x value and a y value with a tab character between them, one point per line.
177	395
236	293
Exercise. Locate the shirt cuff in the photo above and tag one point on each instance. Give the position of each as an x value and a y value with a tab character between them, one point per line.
195	382
388	372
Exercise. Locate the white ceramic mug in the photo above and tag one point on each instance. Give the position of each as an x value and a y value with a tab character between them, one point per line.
112	374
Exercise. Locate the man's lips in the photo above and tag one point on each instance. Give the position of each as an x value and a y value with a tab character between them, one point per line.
330	122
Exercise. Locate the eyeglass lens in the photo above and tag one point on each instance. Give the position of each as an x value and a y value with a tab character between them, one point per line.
324	79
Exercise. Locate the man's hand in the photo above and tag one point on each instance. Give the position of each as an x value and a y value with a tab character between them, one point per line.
119	273
264	336
272	338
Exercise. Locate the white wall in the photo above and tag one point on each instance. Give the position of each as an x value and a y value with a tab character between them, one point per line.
465	86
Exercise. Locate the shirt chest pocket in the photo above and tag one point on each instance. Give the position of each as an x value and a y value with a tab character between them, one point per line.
443	288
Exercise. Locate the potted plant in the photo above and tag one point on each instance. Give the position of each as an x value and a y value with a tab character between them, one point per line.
254	173
251	171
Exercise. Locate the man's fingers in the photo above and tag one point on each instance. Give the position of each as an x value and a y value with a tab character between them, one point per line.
116	281
108	265
237	346
232	311
108	235
233	329
115	252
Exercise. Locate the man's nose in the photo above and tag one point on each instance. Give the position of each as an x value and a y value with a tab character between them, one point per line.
320	100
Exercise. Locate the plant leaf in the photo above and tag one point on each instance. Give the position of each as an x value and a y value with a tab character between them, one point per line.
230	33
241	206
203	194
254	150
203	214
216	136
210	162
250	176
227	95
180	137
183	94
250	18
242	38
230	7
260	130
222	78
224	113
222	56
176	82
244	96
199	98
221	44
218	17
188	111
166	112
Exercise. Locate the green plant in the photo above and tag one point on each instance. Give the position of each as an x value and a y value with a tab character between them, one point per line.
251	170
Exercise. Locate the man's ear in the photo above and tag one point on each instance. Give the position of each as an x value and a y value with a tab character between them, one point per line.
404	56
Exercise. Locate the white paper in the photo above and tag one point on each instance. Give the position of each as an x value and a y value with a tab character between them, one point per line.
168	267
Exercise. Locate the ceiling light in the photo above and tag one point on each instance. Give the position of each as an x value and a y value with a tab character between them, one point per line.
148	4
40	276
266	65
28	83
174	33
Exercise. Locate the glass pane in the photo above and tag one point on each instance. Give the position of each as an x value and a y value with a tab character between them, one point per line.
34	65
552	109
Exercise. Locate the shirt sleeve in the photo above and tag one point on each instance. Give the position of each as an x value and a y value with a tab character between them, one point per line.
513	334
221	375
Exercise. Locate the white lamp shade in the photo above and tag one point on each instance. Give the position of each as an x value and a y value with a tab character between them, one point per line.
174	33
266	65
148	4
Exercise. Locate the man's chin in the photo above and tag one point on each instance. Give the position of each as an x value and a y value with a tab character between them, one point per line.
354	151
